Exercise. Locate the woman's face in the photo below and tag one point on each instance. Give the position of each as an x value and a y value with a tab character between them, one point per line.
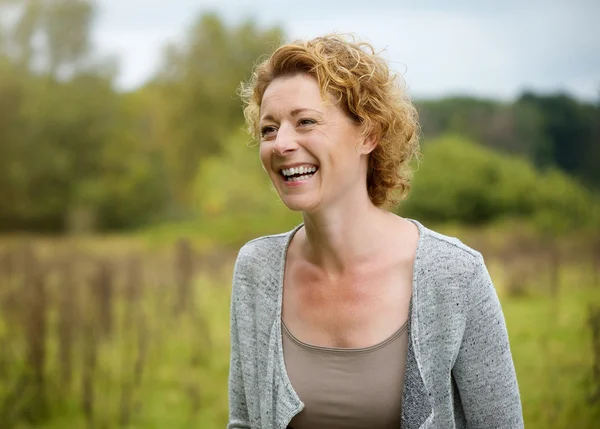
313	152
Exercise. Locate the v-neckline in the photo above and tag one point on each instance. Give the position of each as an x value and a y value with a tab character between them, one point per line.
277	323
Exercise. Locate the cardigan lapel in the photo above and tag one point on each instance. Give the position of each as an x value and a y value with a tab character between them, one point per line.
416	403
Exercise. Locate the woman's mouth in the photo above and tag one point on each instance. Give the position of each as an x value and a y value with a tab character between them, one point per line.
298	174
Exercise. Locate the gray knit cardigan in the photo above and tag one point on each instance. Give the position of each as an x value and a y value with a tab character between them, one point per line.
459	370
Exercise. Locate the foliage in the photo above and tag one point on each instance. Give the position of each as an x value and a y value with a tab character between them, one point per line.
539	329
198	81
75	154
49	37
235	196
114	350
504	127
78	155
69	144
109	346
552	130
572	130
465	182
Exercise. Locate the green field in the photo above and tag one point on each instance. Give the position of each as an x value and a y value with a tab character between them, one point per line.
117	333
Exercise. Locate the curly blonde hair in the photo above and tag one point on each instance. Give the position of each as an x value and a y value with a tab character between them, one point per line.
361	83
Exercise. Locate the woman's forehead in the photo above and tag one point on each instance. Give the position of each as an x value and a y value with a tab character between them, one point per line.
293	94
289	88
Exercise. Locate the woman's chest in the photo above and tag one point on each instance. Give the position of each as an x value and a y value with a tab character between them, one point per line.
352	312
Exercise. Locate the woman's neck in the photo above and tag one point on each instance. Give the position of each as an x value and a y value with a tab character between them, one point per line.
342	239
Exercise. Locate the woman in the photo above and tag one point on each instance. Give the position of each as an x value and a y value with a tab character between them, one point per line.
357	318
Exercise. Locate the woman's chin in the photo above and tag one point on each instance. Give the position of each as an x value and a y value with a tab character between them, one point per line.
299	203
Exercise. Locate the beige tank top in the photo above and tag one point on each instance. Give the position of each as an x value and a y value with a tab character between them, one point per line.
347	388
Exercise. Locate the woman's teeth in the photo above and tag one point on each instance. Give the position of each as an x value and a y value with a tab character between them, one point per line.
298	174
298	178
298	170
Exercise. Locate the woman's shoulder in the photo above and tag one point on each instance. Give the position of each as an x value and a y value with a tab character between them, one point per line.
439	242
446	256
261	260
448	273
264	251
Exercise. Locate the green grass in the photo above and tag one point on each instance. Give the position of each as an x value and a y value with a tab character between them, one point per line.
550	341
184	377
186	357
552	351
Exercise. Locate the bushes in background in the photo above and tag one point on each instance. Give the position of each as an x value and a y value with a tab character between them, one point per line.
461	181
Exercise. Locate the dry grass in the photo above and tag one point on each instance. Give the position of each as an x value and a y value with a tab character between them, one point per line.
80	329
128	336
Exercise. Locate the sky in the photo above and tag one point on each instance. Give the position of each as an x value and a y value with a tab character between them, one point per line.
491	49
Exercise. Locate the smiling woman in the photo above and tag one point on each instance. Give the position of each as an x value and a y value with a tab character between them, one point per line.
318	136
357	317
339	84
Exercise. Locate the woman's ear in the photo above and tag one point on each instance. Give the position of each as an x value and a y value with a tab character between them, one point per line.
369	144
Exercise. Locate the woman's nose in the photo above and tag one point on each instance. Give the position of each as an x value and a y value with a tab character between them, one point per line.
285	141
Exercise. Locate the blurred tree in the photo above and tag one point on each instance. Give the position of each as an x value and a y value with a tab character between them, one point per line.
74	151
198	82
550	130
568	126
48	36
134	177
593	160
505	127
69	144
462	181
67	24
233	192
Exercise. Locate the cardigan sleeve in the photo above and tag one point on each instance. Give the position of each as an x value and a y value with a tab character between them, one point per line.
484	370
238	409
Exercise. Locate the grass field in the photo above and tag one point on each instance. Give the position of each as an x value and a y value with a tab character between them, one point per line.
118	334
552	350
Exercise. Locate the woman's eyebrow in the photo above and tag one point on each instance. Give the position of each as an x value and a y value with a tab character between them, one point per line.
296	112
293	113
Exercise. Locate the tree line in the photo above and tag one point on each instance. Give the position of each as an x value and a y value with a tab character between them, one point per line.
550	130
76	153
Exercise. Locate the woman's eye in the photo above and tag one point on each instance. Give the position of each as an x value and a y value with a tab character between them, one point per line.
306	122
266	130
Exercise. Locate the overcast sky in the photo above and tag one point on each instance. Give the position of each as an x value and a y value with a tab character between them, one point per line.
443	47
